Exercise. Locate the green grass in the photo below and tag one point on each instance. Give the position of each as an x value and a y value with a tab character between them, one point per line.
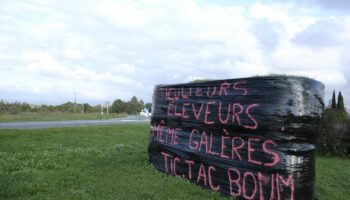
110	162
332	178
55	116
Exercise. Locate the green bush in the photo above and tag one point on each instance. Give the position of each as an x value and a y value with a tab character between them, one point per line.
333	133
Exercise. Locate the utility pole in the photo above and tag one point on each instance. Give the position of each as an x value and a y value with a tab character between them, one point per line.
107	105
75	101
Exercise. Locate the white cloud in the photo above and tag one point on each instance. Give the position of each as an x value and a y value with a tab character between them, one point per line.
122	14
298	57
283	15
123	68
5	56
72	53
324	32
328	77
44	63
116	49
242	68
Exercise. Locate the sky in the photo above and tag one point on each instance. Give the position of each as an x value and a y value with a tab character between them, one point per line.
105	50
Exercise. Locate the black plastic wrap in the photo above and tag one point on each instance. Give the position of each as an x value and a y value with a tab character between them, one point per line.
253	138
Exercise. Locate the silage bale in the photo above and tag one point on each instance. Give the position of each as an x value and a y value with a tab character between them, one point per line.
253	138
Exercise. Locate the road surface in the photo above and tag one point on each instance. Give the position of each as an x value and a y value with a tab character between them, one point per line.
72	123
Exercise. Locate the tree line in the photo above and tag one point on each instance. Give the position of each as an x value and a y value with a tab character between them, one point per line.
68	107
133	106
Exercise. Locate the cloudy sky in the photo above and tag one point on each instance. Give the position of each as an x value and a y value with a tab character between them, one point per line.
116	49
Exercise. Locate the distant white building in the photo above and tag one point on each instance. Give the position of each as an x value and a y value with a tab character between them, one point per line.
144	112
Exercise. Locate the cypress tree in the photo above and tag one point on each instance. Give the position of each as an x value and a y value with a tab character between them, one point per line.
334	104
340	105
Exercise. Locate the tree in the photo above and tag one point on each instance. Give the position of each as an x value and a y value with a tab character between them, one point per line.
87	107
66	107
139	106
148	106
119	106
142	104
332	132
134	106
347	137
340	105
334	104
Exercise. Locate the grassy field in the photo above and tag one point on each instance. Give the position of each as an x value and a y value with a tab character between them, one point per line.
110	162
55	116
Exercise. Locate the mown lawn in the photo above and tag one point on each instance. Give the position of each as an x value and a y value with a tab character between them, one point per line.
110	162
55	116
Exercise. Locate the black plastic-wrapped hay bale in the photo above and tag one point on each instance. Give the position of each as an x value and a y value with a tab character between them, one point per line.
253	138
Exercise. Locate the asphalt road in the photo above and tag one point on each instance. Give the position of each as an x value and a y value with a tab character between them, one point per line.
72	123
